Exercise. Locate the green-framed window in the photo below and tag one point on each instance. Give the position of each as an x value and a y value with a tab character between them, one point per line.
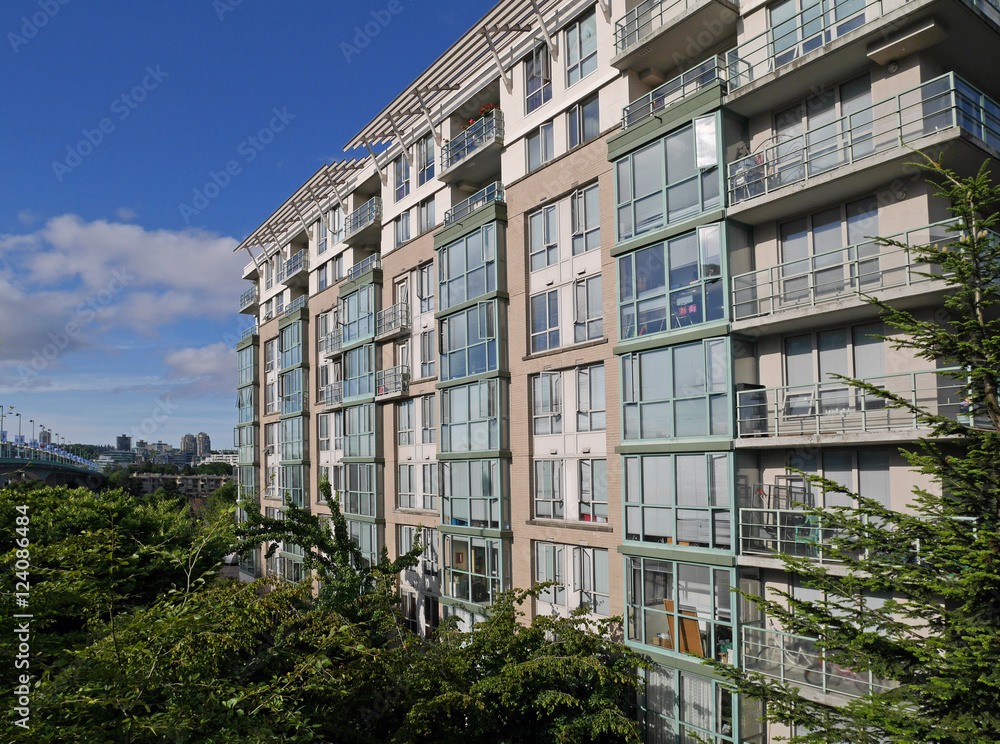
246	363
359	371
293	437
293	480
293	392
361	495
291	345
368	538
472	493
473	417
474	568
246	405
467	268
357	314
469	341
359	431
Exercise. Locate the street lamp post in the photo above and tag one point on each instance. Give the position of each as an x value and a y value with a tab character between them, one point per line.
32	422
18	427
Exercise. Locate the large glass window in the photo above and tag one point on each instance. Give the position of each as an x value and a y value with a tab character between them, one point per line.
467	267
472	568
291	345
681	707
471	493
681	607
678	499
543	232
537	78
546	397
591	578
292	482
367	538
429	486
359	371
405	424
590	412
541	146
584	121
293	392
425	161
246	405
357	312
587	300
593	476
580	576
549	492
293	438
667	181
428	354
359	431
586	219
673	284
678	391
471	417
246	359
425	287
469	342
361	495
544	321
406	497
581	48
550	565
402	170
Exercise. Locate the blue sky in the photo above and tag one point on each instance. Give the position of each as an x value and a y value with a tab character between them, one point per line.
117	303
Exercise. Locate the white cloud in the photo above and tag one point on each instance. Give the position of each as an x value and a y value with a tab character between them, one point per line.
125	214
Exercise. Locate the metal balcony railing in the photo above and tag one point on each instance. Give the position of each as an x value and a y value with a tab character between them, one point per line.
393	319
333	342
333	394
688	83
369	213
487	129
863	267
297	304
248	332
836	408
362	267
643	20
492	193
795	660
293	266
942	103
393	381
249	298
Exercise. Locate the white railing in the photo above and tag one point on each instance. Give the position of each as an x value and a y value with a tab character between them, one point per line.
369	213
645	19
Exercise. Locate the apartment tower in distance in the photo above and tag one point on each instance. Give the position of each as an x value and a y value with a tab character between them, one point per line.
574	316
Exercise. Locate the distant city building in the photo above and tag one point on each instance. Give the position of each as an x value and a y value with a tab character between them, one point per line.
228	457
159	447
116	457
188	443
141	444
192	486
45	437
174	457
204	444
123	443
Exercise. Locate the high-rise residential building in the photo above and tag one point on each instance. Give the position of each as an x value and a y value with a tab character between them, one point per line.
123	443
188	443
203	444
45	437
575	317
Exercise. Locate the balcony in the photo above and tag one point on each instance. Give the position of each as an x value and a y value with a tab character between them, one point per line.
650	34
362	267
689	83
364	225
393	321
467	157
298	304
795	660
249	301
295	271
332	396
332	343
248	333
392	383
836	408
488	195
938	105
825	277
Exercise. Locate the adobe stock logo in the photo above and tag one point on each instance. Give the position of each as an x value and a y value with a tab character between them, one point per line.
48	9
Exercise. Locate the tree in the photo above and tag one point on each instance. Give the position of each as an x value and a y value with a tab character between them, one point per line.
938	637
214	468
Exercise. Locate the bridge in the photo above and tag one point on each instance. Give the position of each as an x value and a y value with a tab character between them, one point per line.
49	464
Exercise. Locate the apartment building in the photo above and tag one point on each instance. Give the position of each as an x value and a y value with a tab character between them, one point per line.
574	315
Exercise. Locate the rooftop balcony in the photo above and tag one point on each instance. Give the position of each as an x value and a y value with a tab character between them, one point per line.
795	660
689	83
488	195
836	408
393	321
249	301
475	153
332	396
295	271
650	33
393	382
826	277
299	303
364	225
371	263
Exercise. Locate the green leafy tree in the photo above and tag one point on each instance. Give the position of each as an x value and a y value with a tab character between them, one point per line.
938	637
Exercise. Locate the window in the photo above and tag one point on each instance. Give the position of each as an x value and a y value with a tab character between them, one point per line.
550	565
428	354
338	431
541	147
584	121
268	275
470	493
590	411
593	490
294	434
359	431
681	278
678	499
291	345
680	701
679	391
366	537
425	162
406	538
538	77
425	216
545	321
338	268
322	235
469	342
292	482
470	417
406	497
549	499
359	371
402	170
429	558
581	48
428	427
471	568
429	486
360	497
590	574
589	322
401	226
357	312
680	607
668	181
323	424
586	218
543	233
590	577
246	362
293	393
547	403
467	268
404	422
271	355
425	287
270	398
322	277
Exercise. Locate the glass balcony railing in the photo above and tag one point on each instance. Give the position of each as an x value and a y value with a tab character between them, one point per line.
362	267
942	103
837	408
492	193
796	660
293	267
864	267
248	332
484	131
395	319
368	214
248	299
643	20
688	83
394	381
297	304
